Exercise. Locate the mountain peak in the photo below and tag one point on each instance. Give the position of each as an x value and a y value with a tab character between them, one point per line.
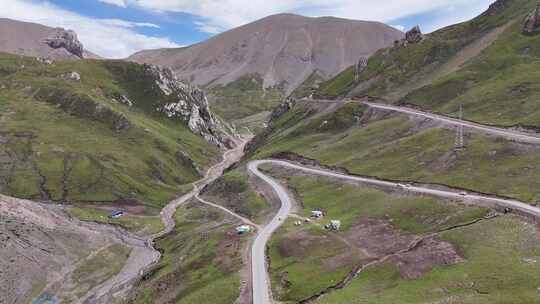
283	49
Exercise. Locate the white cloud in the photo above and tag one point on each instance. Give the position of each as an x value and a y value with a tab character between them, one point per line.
219	15
208	28
111	38
121	3
127	24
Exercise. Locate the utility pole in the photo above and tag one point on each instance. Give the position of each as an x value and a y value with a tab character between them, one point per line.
460	142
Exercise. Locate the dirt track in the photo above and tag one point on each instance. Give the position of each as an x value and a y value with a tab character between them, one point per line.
58	260
140	261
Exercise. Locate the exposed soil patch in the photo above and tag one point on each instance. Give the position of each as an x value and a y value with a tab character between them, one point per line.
340	260
413	255
230	251
301	243
429	253
379	238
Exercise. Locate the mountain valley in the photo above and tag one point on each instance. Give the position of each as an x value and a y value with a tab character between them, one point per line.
290	160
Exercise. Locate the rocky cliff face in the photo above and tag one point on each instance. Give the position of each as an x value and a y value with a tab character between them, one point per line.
189	104
532	24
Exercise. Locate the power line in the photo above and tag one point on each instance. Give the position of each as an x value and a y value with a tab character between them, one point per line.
460	142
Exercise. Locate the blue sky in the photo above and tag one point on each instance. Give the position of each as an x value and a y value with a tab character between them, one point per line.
117	28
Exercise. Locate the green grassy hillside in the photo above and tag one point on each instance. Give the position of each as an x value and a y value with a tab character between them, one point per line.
306	259
201	261
497	256
393	72
395	147
337	86
80	141
234	191
498	87
488	65
243	97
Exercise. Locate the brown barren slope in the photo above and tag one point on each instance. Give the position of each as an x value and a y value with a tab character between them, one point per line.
282	49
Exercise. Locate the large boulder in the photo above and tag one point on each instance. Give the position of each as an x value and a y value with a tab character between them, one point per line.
414	35
283	108
532	24
66	39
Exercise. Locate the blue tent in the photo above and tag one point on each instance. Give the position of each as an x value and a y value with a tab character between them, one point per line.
116	214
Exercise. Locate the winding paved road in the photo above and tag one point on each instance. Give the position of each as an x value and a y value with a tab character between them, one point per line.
532	138
507	133
261	285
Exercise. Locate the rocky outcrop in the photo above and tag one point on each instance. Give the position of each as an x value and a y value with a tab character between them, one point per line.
66	39
73	76
532	24
283	108
497	7
287	105
360	67
43	60
414	35
189	104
